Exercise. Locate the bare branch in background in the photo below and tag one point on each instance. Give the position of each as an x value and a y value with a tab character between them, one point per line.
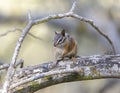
29	15
6	66
20	30
96	28
32	22
73	7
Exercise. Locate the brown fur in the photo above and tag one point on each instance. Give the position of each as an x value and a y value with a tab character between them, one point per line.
68	50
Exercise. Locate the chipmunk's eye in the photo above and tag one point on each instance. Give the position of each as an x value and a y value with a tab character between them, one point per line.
61	40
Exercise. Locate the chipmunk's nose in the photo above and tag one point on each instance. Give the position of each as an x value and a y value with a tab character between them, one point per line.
55	44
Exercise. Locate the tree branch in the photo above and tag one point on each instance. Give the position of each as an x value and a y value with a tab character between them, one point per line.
37	77
32	22
96	28
6	66
11	69
73	7
20	30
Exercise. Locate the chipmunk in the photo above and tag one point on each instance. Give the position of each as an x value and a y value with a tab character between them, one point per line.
65	46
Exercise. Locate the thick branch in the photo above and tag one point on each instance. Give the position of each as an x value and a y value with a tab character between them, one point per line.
85	68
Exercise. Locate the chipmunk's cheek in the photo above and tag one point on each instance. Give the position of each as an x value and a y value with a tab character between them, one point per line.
54	45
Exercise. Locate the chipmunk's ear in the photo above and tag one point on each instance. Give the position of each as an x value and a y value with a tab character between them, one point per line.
56	32
63	32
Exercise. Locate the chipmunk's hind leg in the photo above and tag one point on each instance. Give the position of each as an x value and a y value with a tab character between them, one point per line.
72	58
60	59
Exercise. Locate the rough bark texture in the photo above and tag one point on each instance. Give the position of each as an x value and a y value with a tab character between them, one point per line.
33	78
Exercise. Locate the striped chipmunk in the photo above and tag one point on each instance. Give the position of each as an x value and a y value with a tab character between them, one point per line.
65	46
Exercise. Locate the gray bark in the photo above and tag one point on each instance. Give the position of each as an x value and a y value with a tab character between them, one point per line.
34	78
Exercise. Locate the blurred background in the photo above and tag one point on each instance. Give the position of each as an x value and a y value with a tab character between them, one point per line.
105	14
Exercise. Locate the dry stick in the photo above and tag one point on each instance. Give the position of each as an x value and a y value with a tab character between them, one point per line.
11	70
17	29
5	66
96	28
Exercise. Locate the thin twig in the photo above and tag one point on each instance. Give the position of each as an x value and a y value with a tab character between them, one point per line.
73	7
96	28
29	15
20	30
6	66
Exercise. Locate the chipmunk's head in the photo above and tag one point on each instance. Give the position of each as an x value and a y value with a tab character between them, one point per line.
59	38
